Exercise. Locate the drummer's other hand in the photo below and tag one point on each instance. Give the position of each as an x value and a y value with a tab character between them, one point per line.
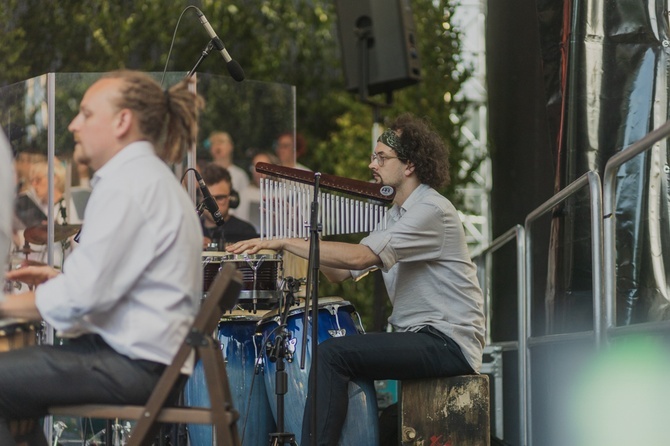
32	275
250	246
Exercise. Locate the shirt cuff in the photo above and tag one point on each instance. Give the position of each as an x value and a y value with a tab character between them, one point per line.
51	308
379	243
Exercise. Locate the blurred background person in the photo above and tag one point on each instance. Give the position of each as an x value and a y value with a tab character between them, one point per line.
250	197
222	148
32	209
23	161
81	187
289	151
233	229
65	212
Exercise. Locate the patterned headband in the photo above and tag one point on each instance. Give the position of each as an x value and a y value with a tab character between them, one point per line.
391	139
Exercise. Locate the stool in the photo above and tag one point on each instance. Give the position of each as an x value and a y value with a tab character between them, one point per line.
451	411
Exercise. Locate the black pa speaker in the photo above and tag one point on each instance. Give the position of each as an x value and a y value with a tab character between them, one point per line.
387	30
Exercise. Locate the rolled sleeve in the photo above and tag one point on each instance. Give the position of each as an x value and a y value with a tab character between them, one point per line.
416	237
380	244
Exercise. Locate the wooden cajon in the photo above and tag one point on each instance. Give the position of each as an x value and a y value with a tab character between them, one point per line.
451	411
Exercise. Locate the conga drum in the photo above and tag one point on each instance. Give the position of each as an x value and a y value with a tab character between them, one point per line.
241	352
211	265
262	274
336	317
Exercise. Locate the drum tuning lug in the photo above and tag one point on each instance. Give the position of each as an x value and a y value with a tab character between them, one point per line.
58	428
259	366
337	333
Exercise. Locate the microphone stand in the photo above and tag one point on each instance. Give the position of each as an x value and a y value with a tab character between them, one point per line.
218	231
277	352
200	208
205	53
65	243
312	293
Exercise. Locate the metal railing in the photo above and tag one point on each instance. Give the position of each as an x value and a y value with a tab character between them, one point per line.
524	276
603	245
482	259
592	179
609	230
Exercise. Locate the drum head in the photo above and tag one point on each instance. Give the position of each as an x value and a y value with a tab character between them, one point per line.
214	256
243	315
330	301
263	254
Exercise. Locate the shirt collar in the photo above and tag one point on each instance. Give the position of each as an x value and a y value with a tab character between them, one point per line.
398	211
132	151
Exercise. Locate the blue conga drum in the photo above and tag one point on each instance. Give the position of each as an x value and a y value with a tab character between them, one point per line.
337	317
237	334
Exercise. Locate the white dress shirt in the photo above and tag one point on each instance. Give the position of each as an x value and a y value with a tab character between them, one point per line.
135	278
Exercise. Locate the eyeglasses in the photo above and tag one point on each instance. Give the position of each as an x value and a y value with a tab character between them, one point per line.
221	197
381	159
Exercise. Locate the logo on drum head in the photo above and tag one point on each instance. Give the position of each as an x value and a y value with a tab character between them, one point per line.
386	191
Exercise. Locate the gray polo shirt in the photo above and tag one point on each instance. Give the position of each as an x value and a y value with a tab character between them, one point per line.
428	272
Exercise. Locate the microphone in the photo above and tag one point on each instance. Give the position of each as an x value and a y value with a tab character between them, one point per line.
209	201
63	211
234	68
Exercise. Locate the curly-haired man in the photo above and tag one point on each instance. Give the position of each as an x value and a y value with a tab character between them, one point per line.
437	319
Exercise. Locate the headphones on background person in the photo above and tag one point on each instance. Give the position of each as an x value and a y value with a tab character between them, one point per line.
234	199
207	199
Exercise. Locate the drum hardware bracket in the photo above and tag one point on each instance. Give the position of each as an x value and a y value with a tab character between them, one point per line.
196	338
279	348
279	438
308	227
337	333
254	267
58	427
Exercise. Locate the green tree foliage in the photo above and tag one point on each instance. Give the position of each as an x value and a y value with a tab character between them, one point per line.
291	42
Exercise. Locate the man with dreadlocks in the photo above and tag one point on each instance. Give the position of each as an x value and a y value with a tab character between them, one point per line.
128	294
437	316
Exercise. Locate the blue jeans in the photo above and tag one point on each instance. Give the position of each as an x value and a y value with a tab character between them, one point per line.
373	356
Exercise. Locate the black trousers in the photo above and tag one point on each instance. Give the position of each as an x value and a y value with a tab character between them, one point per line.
83	371
397	355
